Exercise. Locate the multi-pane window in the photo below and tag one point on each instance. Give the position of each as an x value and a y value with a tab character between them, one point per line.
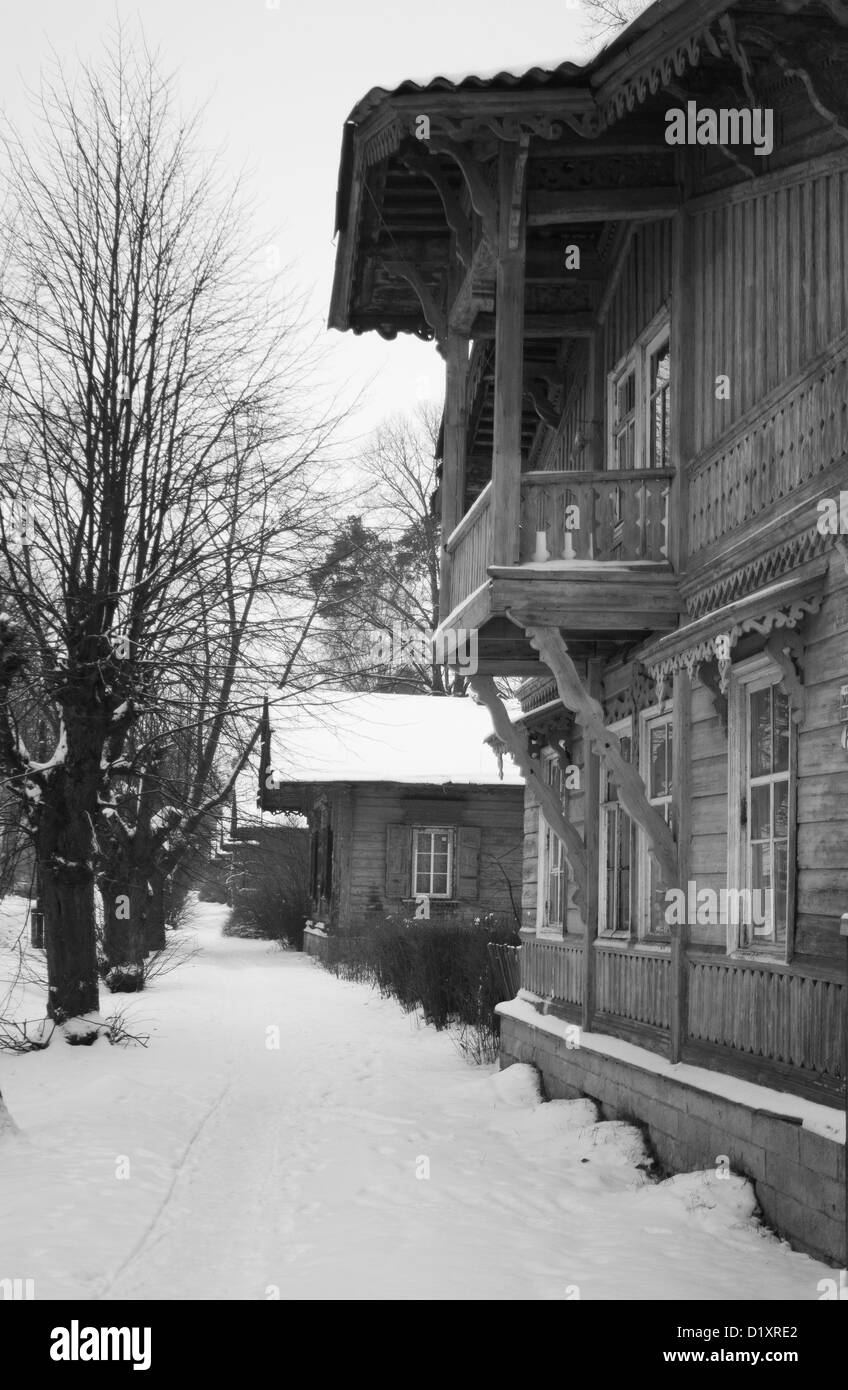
659	404
767	849
432	862
761	834
553	865
624	420
658	769
639	404
616	885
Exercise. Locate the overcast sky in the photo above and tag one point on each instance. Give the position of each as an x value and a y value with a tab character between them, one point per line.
279	85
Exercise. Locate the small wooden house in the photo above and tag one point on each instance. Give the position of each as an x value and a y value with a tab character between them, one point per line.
409	813
636	272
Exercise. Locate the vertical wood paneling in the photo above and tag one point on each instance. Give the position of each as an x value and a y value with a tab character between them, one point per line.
768	283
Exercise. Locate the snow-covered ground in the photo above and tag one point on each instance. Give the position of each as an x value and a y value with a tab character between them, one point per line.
360	1158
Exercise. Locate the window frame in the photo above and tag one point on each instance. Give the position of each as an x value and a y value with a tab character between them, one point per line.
648	719
544	928
757	673
637	359
431	830
622	728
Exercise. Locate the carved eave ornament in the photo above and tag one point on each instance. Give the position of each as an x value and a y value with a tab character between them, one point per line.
775	613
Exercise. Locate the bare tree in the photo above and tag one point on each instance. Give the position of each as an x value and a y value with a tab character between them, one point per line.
145	374
606	17
382	569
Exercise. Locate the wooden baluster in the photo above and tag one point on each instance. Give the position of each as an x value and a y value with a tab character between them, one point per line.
630	530
527	527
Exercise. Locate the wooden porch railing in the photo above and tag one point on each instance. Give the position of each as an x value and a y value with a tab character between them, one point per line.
595	515
553	969
783	442
785	1014
774	1023
505	965
634	986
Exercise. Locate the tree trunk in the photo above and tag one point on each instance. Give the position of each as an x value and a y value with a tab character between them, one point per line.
71	945
124	908
65	850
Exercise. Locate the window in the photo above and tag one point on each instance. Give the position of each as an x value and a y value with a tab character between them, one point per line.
761	834
432	868
659	403
639	403
657	744
552	902
616	848
624	419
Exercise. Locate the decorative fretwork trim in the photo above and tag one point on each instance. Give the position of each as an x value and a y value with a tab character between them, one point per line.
657	76
538	692
757	573
719	646
642	692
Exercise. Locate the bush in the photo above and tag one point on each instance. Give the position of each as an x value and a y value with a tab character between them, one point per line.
269	886
442	969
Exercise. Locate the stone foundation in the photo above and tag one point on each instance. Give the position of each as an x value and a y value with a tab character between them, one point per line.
798	1174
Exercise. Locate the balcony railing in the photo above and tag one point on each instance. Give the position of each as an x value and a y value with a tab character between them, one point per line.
579	516
470	549
595	516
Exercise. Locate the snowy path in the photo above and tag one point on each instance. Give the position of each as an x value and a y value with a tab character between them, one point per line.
254	1169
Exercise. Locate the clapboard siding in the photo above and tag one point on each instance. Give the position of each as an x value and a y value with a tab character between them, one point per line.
496	811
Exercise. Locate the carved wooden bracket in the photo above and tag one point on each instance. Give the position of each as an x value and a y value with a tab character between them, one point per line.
739	55
718	647
482	198
432	169
787	649
709	675
818	61
532	770
590	715
433	313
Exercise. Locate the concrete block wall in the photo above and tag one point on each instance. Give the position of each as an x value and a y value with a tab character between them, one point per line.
798	1176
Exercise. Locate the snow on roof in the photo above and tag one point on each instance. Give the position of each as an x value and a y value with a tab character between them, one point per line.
339	737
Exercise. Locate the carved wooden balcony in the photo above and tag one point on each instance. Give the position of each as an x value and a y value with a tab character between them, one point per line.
591	559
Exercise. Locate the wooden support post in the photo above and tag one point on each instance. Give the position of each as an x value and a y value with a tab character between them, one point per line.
509	356
682	406
681	800
453	456
343	855
589	713
595	404
591	835
534	774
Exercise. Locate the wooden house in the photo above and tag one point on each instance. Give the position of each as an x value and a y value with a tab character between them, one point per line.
410	812
636	272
